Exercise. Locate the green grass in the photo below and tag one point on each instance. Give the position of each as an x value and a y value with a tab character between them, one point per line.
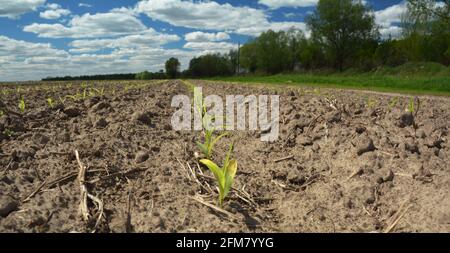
433	85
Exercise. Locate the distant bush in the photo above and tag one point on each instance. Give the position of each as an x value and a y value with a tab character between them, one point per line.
415	69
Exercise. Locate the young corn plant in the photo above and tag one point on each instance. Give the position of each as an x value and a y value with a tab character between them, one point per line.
392	103
225	175
50	102
411	108
100	92
22	106
210	139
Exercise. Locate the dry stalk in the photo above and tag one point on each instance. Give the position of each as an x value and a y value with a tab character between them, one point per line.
84	195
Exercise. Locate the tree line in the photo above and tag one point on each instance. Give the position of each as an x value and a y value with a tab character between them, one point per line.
343	35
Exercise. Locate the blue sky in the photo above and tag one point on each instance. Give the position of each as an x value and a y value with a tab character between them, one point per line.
40	38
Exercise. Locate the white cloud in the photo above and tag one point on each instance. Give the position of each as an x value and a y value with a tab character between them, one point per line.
210	46
202	15
276	4
23	49
148	38
38	60
14	8
391	14
89	26
84	5
206	37
54	11
275	26
210	15
392	31
388	18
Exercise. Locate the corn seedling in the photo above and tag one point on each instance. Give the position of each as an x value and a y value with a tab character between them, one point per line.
392	103
22	106
50	102
224	176
208	131
8	132
1	113
411	106
371	102
100	92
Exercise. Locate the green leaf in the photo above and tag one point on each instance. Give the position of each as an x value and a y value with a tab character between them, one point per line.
227	158
217	139
230	173
202	148
218	172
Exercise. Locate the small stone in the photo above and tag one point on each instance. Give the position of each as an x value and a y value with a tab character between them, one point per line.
304	141
315	147
141	157
360	129
72	111
406	119
100	106
65	137
389	176
421	134
442	154
295	177
7	205
41	139
365	145
101	123
334	117
411	146
142	117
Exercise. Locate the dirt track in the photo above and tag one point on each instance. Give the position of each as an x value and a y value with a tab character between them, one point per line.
355	162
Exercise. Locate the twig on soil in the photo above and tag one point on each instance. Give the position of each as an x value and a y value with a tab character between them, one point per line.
38	189
37	174
283	158
120	173
404	175
6	168
218	209
85	195
187	172
398	215
354	173
312	123
66	177
283	186
59	153
386	153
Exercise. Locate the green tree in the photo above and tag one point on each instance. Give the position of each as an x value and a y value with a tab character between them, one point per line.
272	52
342	26
426	30
211	65
248	56
172	67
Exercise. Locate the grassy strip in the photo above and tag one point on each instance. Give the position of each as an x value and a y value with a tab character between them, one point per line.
433	85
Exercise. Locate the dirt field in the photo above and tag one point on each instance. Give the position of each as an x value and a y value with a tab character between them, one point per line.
346	161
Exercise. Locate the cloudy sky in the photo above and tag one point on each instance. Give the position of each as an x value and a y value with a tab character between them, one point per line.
40	38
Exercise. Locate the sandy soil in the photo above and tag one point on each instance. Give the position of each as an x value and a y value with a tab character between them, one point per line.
346	161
